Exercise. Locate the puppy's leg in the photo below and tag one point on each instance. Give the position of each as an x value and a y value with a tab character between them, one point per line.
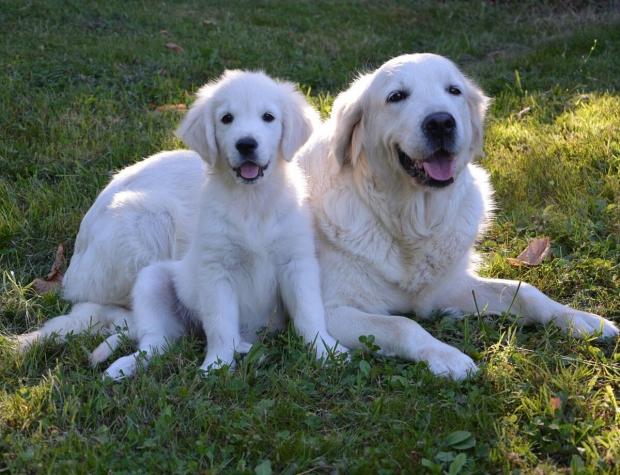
497	296
399	336
219	314
85	316
301	292
105	349
155	318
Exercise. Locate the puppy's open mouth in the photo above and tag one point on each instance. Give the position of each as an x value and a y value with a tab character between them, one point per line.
250	171
436	170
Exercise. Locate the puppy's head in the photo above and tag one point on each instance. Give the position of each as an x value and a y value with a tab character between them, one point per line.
245	121
417	117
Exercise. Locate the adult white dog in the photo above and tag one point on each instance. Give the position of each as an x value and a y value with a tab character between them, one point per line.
254	241
149	211
398	207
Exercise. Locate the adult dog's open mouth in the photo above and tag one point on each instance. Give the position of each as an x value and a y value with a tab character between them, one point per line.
437	170
250	171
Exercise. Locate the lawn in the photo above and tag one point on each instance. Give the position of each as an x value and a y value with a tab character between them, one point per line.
80	85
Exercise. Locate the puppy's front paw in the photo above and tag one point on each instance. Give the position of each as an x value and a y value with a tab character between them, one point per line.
217	360
584	324
445	360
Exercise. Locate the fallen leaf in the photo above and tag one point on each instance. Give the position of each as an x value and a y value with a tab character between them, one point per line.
171	108
53	279
536	251
174	47
555	403
524	112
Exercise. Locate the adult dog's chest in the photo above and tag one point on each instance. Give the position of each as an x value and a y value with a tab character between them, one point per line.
401	256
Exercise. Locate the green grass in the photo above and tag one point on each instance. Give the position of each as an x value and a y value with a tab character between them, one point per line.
79	84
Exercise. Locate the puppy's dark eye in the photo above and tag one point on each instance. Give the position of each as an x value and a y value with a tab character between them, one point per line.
397	96
455	91
227	118
267	117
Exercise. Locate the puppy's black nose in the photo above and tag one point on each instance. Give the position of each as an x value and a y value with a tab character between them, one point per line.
439	125
246	145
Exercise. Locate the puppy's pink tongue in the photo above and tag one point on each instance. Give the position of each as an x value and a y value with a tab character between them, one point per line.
440	168
249	170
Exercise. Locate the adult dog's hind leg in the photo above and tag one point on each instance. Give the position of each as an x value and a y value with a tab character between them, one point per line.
398	336
155	318
497	296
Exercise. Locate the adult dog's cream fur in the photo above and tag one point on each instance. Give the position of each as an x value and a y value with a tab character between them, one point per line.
398	207
149	213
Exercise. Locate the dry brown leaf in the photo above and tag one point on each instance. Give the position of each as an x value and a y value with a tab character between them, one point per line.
53	279
174	47
524	112
171	108
536	251
556	403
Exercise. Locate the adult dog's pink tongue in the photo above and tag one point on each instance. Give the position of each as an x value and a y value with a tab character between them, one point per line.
439	168
249	170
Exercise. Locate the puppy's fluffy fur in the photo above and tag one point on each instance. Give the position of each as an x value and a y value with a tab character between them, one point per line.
399	206
149	213
253	242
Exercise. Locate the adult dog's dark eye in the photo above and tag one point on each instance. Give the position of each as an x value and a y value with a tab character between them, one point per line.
455	91
267	117
227	118
397	96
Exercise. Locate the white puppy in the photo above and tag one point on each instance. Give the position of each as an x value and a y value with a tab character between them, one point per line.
399	206
253	243
147	214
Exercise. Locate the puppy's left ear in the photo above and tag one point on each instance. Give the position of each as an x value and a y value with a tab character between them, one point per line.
298	121
197	129
478	104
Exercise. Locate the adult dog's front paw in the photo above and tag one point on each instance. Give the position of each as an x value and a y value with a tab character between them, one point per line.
325	345
445	360
584	324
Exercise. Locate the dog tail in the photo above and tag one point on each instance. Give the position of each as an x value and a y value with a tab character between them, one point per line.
83	317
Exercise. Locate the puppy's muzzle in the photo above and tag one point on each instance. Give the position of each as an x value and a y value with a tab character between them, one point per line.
246	146
249	170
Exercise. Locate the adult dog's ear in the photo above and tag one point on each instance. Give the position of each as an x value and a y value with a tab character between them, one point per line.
298	121
478	104
197	129
346	116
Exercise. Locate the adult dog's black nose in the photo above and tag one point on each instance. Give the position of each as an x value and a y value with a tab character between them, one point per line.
439	126
246	145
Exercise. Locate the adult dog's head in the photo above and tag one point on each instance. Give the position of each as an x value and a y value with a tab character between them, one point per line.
417	118
245	122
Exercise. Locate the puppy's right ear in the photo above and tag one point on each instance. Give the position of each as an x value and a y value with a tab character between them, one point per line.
197	129
345	118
